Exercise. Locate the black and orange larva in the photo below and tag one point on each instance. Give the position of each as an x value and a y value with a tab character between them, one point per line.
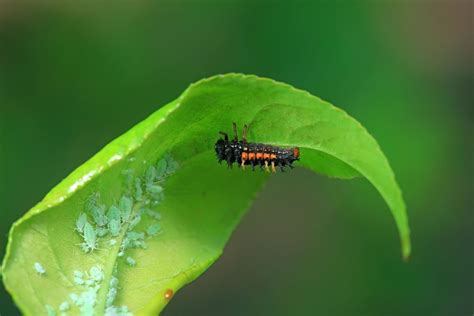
245	153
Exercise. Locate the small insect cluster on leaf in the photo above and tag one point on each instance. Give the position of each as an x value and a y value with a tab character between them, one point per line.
118	223
141	195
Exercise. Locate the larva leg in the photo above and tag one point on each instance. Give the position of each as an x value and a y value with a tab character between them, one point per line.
243	164
273	166
266	166
282	168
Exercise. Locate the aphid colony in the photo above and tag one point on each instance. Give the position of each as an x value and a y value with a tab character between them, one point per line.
89	283
254	154
119	220
118	223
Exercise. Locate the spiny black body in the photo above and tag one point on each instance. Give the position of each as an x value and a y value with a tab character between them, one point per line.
254	154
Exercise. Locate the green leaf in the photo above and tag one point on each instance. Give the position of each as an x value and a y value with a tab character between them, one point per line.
184	205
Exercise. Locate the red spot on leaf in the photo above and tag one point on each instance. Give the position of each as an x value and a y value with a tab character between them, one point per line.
168	294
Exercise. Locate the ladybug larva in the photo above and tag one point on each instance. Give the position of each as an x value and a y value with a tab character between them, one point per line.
255	154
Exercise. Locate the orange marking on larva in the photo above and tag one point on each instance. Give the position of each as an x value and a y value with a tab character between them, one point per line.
266	156
259	155
273	156
245	156
251	156
168	294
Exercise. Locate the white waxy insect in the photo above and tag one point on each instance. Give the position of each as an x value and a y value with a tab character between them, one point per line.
39	268
134	222
80	222
126	243
78	274
89	282
125	205
111	294
114	227
90	240
154	188
50	310
117	311
135	236
98	213
74	298
89	299
123	310
161	167
172	165
87	308
102	231
150	174
96	274
92	201
154	214
64	306
113	213
112	242
130	261
153	230
113	282
139	244
113	217
128	174
138	189
79	281
134	240
79	277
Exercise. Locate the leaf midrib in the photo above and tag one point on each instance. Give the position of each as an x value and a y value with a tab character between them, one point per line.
110	264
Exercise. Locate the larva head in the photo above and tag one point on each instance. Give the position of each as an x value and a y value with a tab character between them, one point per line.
289	155
296	153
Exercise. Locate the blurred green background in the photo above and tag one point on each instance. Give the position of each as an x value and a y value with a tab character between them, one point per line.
75	75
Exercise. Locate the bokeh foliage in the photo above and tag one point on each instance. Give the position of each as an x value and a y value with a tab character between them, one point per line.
64	67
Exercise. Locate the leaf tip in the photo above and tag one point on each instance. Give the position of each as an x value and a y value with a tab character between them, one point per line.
406	248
